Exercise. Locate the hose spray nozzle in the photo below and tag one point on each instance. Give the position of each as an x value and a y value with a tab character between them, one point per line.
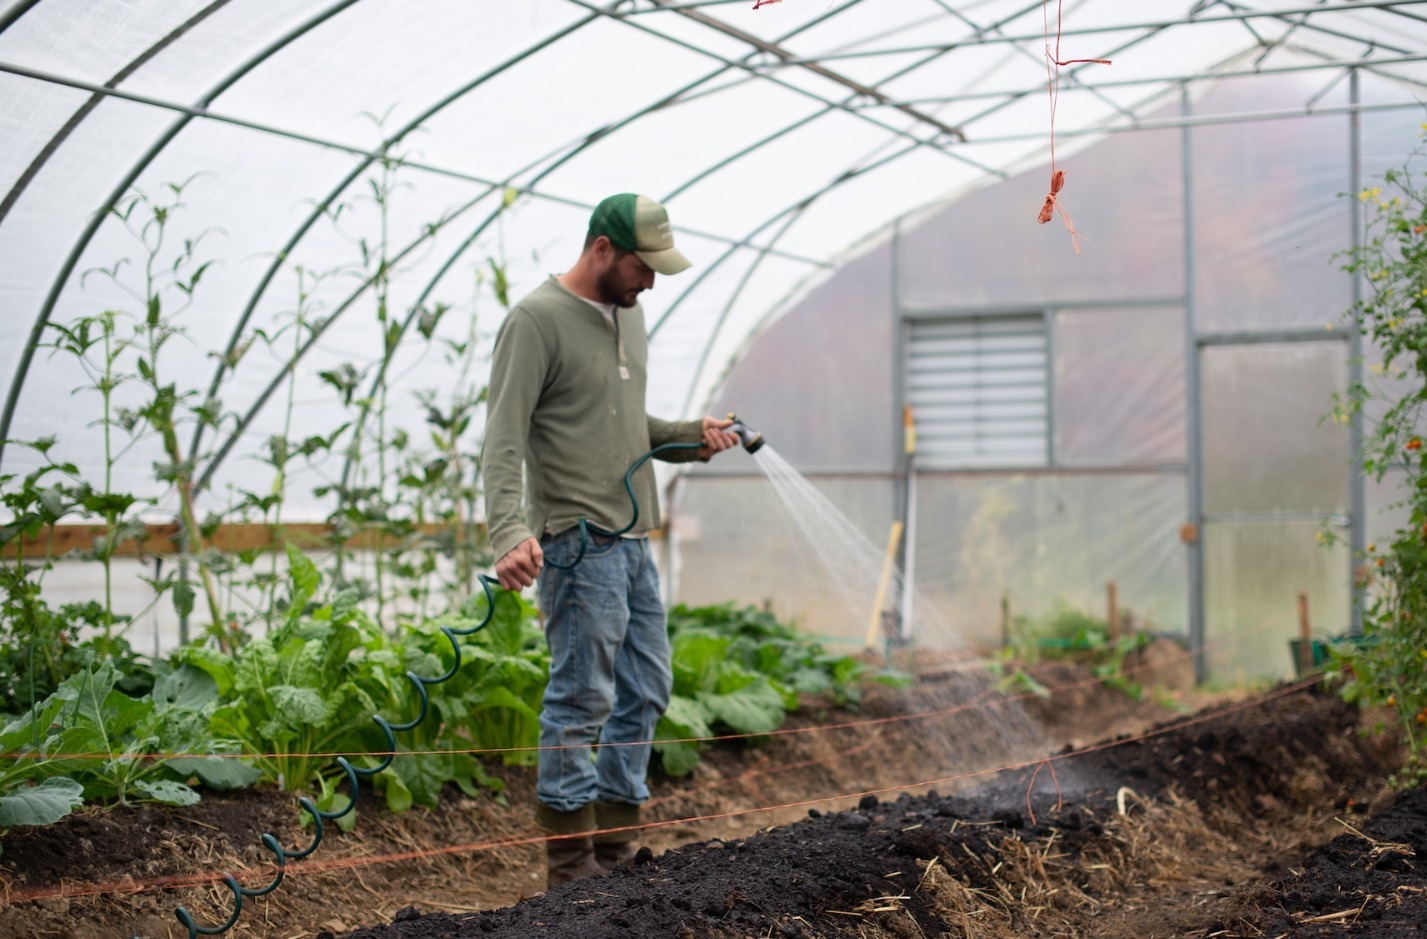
751	439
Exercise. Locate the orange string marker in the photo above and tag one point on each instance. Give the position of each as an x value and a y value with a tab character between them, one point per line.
1053	62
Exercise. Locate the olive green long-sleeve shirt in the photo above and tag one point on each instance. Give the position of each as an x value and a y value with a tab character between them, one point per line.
566	400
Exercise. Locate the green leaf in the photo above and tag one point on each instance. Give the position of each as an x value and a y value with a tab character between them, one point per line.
685	718
183	598
753	709
44	804
186	688
305	580
810	681
298	707
215	664
398	796
679	759
697	656
167	791
217	772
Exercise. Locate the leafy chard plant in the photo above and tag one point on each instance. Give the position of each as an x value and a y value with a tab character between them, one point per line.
491	704
295	698
739	670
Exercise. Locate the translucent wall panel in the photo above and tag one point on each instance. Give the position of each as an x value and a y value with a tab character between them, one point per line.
658	142
1119	387
1124	195
733	542
1267	445
1265	237
1387	508
1388	136
1253	573
224	38
818	382
49	38
1046	539
689	307
31	113
893	188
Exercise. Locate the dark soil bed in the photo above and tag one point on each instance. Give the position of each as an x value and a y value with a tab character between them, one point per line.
1181	814
1261	817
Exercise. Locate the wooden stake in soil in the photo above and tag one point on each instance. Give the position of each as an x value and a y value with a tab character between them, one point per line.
894	537
1305	645
1112	600
1005	619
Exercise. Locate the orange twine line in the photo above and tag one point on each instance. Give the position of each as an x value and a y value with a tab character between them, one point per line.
1059	796
1053	62
171	881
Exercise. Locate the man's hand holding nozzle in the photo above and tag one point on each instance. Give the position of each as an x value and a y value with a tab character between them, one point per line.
717	437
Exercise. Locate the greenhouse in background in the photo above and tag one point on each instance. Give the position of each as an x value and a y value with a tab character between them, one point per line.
349	193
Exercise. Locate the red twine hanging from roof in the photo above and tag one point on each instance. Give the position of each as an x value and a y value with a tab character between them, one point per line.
1053	62
764	3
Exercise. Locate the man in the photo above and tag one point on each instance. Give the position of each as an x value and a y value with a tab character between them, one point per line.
567	402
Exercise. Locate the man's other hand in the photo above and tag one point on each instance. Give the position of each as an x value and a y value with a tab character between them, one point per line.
716	438
518	567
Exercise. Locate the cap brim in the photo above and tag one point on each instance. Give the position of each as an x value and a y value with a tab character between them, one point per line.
668	261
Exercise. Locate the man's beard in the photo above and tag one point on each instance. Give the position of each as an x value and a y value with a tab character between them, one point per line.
610	291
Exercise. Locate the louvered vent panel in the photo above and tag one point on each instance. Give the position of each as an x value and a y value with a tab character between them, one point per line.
978	389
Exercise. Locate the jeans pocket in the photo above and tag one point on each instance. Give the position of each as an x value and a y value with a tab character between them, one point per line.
563	549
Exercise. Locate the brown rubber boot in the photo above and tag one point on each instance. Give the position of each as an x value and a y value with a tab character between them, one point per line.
615	848
570	853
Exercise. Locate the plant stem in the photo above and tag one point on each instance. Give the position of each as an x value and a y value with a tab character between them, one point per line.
110	516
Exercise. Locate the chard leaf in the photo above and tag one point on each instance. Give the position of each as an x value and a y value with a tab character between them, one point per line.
684	718
296	707
503	698
215	664
679	758
257	666
810	681
305	580
754	709
398	796
697	656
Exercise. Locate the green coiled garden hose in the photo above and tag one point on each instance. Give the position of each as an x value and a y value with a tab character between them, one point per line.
587	527
281	854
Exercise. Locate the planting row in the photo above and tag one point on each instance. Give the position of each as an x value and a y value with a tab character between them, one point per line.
278	710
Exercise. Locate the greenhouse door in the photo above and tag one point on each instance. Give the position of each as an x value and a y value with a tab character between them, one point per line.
1275	489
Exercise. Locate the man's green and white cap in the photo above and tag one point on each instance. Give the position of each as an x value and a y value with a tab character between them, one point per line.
639	224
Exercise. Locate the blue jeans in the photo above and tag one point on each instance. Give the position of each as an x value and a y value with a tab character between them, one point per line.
610	674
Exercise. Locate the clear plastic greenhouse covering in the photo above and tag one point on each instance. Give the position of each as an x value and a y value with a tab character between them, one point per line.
361	181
